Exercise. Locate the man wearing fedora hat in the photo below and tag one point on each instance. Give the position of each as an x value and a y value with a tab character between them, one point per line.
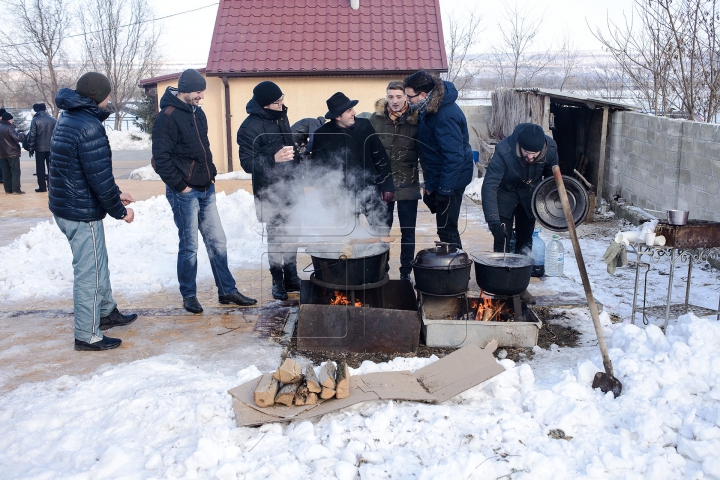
350	145
37	142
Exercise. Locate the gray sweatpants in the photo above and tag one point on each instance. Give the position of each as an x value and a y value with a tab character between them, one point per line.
92	294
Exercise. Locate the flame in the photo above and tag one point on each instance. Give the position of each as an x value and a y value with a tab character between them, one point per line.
342	299
489	310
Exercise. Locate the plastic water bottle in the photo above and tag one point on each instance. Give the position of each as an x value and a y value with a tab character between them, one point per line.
538	254
554	258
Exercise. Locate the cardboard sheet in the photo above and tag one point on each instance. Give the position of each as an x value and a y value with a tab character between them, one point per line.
436	383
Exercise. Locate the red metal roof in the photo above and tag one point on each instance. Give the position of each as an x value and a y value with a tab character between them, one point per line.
316	37
162	78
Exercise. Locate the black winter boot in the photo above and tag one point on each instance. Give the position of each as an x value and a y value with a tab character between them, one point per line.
292	281
116	319
278	284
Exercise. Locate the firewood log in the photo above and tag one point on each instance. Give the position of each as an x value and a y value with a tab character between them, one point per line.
488	314
301	394
327	393
286	395
266	390
313	384
343	381
289	372
327	375
311	399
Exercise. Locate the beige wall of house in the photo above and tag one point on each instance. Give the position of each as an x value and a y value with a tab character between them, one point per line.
304	97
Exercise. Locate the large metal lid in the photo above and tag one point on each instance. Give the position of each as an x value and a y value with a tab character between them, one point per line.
547	207
443	256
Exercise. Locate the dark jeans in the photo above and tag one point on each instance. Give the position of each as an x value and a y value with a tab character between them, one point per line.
11	174
407	215
524	227
195	211
447	218
42	160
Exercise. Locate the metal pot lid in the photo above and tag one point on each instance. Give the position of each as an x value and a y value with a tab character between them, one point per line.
500	260
442	256
547	207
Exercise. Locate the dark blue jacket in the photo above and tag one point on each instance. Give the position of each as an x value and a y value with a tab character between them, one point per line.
509	180
180	145
82	186
445	142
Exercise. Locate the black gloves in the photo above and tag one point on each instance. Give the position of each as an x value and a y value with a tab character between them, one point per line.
429	200
31	153
499	233
387	197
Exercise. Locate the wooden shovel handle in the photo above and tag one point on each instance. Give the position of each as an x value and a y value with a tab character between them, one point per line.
581	267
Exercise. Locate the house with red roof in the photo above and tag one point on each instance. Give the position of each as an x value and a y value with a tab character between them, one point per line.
311	49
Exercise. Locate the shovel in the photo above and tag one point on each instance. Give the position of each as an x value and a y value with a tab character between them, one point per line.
605	381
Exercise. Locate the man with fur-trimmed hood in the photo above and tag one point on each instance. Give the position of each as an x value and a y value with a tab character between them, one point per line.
445	148
396	125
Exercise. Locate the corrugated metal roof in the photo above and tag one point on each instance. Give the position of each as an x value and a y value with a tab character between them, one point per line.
163	78
584	100
316	37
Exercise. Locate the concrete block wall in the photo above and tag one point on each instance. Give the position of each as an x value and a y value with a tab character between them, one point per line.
661	163
478	116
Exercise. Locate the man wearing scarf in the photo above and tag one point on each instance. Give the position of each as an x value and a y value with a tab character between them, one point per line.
445	148
397	128
516	168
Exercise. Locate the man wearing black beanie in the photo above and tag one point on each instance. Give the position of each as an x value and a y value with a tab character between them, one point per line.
37	142
182	158
518	165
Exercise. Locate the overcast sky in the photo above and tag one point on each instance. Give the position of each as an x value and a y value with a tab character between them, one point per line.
186	36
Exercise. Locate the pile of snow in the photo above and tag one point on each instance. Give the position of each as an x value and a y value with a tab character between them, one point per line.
474	189
165	418
142	255
147	173
124	140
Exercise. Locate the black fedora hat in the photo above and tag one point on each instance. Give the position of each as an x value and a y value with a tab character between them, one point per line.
337	104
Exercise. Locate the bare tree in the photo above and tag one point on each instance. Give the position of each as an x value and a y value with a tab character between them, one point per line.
34	39
462	35
120	39
568	58
513	61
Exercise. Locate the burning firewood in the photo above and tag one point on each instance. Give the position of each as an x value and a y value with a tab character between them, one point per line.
286	395
327	380
289	372
266	390
343	381
313	384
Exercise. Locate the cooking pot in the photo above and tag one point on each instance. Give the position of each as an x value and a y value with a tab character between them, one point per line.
368	266
547	207
443	270
503	274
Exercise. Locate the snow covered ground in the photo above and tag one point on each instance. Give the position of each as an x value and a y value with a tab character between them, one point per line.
125	140
147	173
169	416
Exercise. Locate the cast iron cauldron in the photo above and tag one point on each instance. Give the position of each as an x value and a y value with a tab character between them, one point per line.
368	266
443	270
503	276
547	207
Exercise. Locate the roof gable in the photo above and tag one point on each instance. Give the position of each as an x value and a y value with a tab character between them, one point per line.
316	37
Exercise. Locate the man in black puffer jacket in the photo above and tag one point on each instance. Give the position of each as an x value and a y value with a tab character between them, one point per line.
82	192
10	140
516	168
37	142
267	151
182	158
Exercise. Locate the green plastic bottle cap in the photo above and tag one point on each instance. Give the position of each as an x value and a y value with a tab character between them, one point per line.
556	236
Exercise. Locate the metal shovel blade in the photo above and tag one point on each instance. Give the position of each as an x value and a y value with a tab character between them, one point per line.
607	383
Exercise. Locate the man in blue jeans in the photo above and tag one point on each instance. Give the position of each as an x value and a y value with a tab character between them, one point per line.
182	158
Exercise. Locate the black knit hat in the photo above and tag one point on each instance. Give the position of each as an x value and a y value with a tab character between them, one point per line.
94	86
337	104
532	138
40	107
2	110
191	81
7	116
266	93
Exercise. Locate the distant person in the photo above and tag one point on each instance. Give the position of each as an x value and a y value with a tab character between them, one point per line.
267	151
2	110
10	140
397	127
445	147
37	142
302	132
181	150
82	191
349	145
516	168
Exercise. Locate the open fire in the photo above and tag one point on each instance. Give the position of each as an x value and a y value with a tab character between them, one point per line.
487	309
342	299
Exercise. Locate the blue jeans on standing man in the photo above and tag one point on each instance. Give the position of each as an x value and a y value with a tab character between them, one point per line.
193	211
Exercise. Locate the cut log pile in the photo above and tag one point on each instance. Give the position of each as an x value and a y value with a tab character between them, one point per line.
292	384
